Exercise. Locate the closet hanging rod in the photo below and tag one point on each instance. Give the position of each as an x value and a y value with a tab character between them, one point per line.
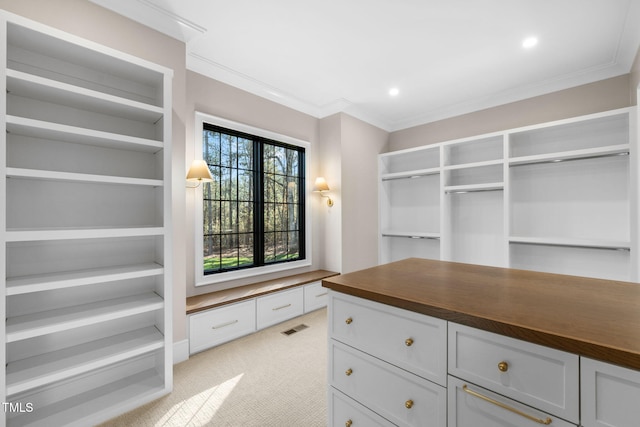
479	190
411	237
413	176
572	245
569	159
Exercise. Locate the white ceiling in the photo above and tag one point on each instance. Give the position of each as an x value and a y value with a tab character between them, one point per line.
446	57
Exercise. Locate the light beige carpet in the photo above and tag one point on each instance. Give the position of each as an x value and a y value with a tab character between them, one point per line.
264	379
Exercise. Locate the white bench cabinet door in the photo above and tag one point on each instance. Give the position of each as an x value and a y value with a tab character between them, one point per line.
315	296
278	307
610	395
213	327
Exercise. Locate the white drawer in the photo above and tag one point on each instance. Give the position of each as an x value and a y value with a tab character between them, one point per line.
532	374
315	296
412	341
610	395
393	393
213	327
344	411
278	307
472	406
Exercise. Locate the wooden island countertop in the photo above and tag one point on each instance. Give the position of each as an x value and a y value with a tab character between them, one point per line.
590	317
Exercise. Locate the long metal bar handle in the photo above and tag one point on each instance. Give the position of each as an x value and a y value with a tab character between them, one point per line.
507	407
224	324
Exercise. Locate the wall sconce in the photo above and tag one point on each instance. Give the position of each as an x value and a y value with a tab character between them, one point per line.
198	172
320	186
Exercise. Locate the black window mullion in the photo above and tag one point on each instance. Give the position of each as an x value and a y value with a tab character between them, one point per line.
258	203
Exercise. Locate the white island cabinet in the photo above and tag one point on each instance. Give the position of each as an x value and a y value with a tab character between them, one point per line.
610	395
421	342
85	206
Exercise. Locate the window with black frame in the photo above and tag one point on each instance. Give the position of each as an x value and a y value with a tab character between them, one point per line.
253	211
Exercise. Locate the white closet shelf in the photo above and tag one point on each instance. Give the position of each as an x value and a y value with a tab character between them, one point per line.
59	132
129	392
47	322
411	235
26	374
472	188
410	174
587	153
40	88
33	235
572	242
61	280
474	164
80	177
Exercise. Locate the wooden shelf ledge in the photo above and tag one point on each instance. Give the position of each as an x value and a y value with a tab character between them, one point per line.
229	296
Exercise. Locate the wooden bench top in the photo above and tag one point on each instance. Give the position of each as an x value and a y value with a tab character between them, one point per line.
229	296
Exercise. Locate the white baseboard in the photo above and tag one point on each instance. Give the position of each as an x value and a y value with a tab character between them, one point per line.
180	351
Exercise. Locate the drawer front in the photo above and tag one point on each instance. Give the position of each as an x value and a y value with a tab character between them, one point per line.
412	341
315	296
213	327
344	411
538	376
610	395
393	393
278	307
472	406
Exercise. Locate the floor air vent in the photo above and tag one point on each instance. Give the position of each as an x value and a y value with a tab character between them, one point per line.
295	329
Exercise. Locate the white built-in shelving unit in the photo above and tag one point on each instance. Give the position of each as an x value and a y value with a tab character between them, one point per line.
558	197
86	228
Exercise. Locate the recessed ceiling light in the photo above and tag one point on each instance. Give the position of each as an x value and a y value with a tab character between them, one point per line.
529	42
394	91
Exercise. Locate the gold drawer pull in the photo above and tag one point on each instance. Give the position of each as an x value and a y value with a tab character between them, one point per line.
348	321
281	307
321	295
348	423
408	404
348	372
503	366
507	407
408	342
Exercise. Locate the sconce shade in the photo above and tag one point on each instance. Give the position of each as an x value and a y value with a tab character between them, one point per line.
199	172
320	184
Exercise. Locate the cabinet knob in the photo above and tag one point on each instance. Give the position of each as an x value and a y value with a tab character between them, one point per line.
408	404
348	321
503	366
348	423
408	342
348	372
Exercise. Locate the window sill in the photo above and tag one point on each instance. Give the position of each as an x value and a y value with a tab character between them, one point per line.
250	272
